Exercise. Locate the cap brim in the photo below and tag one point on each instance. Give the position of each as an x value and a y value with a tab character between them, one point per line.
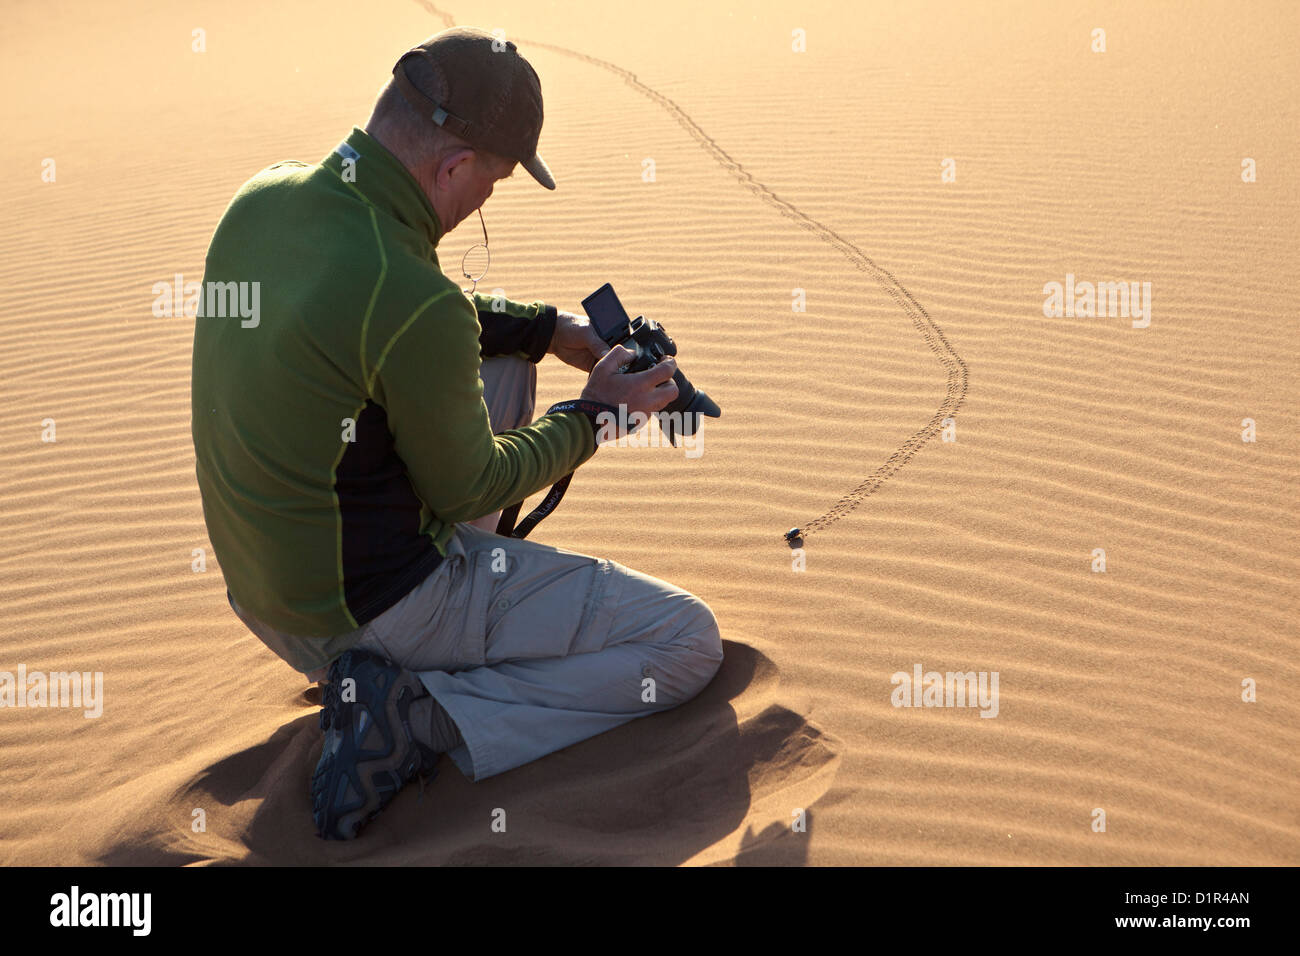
538	169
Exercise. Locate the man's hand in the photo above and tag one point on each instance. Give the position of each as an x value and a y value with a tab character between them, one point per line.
575	342
647	391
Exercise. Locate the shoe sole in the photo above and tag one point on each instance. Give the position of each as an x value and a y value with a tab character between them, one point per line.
336	816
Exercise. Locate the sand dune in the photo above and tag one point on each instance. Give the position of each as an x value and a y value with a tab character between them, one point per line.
774	171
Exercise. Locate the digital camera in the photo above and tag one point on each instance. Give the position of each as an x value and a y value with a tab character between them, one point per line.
652	344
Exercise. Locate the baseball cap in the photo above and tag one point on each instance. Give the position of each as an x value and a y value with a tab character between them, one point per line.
483	91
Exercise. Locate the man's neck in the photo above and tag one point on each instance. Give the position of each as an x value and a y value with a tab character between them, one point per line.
423	174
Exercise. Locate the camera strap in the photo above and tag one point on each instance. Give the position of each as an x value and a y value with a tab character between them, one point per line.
506	523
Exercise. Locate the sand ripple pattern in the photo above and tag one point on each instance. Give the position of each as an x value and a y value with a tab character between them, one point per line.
953	364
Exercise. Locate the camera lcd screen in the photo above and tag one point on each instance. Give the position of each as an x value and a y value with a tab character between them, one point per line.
606	313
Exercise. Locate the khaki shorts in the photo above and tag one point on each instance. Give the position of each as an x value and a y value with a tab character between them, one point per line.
530	648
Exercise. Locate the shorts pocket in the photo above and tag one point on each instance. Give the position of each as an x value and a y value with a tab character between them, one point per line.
539	607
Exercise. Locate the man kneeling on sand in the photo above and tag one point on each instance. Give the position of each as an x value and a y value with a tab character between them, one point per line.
355	450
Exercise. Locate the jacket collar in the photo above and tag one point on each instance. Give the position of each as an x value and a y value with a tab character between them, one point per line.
385	183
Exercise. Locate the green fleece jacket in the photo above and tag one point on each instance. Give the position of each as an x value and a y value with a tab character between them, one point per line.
341	432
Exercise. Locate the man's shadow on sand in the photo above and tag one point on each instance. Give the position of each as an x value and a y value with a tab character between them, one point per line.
656	791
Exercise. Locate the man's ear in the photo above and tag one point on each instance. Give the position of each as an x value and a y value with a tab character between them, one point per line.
450	165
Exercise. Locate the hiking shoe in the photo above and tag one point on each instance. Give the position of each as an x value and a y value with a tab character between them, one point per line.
369	751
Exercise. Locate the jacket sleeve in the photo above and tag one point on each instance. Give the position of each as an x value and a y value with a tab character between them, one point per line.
514	328
428	383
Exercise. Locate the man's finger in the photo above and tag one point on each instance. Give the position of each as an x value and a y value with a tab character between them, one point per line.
618	359
595	344
662	372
